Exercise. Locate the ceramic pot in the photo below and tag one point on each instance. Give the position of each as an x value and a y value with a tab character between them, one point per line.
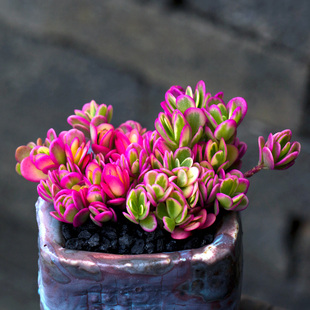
205	278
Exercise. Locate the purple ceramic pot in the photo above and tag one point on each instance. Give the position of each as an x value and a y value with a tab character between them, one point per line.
205	278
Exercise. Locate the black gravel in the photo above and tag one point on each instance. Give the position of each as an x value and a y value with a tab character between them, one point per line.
124	237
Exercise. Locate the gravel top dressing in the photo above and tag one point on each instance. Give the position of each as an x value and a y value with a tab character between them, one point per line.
128	238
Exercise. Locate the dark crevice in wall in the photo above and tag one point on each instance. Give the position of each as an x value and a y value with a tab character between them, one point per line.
305	121
294	226
177	3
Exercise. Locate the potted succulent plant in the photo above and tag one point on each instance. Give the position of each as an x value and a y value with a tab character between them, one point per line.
179	182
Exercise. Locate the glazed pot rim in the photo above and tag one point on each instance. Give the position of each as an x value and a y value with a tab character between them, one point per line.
51	241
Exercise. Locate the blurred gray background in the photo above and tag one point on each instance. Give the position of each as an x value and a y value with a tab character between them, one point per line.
57	55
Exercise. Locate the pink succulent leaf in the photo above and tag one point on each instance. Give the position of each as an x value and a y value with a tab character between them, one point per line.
216	207
180	234
115	185
261	144
232	155
243	185
76	120
212	193
209	221
234	105
226	130
81	217
186	136
270	142
150	177
286	160
209	134
169	224
164	127
30	172
189	190
193	199
192	175
166	194
149	224
22	152
116	201
192	226
182	217
237	199
268	159
158	191
51	135
211	122
276	151
243	204
69	213
131	218
174	208
185	102
69	136
151	196
196	118
57	152
56	215
161	211
198	137
224	200
44	191
178	122
200	95
215	100
71	179
44	163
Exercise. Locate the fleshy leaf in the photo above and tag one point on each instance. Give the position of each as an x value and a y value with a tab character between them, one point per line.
30	172
149	224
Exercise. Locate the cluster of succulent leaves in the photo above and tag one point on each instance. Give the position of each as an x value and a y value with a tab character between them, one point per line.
177	177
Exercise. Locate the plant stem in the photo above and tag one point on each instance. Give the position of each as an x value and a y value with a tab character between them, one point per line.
254	170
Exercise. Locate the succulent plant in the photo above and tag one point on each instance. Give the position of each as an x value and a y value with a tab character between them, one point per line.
138	208
178	177
90	113
71	206
115	183
173	212
278	152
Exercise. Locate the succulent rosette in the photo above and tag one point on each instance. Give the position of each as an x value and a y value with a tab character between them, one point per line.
91	112
199	96
174	211
102	138
158	186
71	206
139	211
178	177
135	160
216	155
232	192
115	182
101	213
34	161
223	120
278	152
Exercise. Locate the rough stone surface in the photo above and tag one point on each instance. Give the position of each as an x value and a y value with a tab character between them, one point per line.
286	25
55	57
171	47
